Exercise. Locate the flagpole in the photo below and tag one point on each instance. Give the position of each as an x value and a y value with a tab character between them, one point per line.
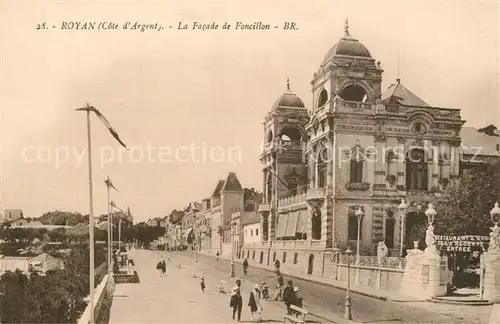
110	227
91	221
120	233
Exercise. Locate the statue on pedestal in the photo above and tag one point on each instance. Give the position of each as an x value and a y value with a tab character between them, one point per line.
494	238
430	239
382	251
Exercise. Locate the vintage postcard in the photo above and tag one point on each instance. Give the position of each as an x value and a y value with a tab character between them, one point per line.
167	161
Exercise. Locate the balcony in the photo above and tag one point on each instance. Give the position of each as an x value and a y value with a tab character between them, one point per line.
316	193
292	200
357	105
358	186
293	197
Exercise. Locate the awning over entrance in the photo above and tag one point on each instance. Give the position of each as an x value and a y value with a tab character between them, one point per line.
281	227
187	232
291	226
302	221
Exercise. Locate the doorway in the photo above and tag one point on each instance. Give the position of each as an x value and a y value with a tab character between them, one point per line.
310	264
261	256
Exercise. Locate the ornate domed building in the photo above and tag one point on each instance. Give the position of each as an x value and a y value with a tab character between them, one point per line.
338	170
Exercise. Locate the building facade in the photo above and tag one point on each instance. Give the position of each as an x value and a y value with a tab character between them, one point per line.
339	170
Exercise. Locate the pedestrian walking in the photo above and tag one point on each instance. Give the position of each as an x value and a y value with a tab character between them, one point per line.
159	267
254	304
217	256
236	303
297	298
280	282
202	284
164	268
245	266
288	296
277	266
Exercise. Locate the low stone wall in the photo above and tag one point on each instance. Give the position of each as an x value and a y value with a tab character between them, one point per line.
300	260
103	292
373	277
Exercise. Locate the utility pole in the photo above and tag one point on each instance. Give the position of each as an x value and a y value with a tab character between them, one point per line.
110	228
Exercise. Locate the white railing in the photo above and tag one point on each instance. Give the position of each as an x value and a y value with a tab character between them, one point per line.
373	261
292	200
357	105
106	287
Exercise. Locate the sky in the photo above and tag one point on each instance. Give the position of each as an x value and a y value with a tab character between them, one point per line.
193	102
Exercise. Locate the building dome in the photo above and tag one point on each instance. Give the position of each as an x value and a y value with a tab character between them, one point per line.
289	99
347	45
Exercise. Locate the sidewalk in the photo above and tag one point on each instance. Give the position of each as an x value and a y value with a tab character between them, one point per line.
355	288
177	298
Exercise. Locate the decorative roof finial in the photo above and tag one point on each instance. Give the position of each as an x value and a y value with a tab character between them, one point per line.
346	27
288	84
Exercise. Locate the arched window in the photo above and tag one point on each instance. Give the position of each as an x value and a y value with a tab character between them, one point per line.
270	136
416	170
321	170
290	133
353	93
323	98
352	226
356	170
316	224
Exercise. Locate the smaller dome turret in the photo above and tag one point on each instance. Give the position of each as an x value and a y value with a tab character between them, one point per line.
288	99
348	46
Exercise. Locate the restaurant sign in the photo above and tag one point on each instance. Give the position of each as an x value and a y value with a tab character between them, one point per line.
461	243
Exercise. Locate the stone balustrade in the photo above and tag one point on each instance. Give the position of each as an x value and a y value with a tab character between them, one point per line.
292	200
373	261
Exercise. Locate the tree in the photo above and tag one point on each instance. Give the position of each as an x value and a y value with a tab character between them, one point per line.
466	210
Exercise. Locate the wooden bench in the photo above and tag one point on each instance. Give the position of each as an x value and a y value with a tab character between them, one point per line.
298	312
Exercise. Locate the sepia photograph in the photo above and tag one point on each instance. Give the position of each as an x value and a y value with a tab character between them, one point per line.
169	161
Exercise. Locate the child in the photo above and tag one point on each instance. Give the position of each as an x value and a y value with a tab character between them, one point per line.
202	284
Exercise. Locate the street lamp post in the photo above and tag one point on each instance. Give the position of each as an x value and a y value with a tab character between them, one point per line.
402	211
233	225
359	214
347	310
430	213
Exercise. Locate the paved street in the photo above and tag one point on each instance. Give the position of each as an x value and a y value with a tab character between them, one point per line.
321	298
177	298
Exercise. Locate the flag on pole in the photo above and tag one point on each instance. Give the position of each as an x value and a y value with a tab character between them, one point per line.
106	123
112	204
110	184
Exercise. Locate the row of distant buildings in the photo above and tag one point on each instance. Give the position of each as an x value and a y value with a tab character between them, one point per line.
222	222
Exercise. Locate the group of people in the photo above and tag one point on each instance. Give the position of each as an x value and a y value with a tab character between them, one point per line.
236	302
289	294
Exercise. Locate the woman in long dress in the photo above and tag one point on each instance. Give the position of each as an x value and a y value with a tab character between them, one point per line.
254	303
